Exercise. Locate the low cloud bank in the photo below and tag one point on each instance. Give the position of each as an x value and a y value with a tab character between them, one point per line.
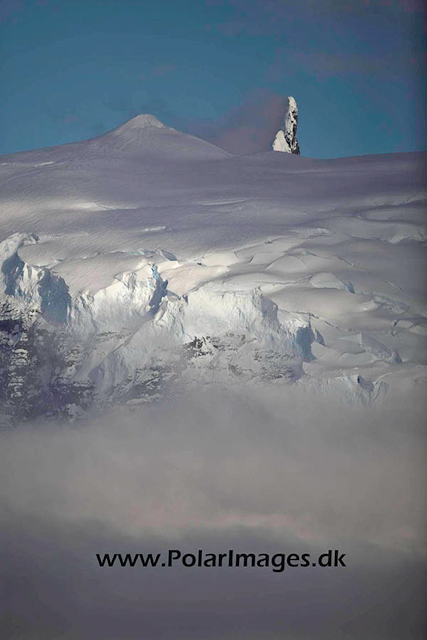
267	471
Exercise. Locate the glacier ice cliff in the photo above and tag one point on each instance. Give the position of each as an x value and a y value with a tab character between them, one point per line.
132	341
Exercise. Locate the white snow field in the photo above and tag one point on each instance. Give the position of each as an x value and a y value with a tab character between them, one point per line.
146	260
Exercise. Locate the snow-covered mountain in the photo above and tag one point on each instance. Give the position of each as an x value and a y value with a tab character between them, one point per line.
146	261
286	138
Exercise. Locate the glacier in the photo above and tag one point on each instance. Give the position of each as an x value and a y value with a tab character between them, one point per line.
144	262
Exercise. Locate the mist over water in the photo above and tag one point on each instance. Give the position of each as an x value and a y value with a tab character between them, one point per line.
266	471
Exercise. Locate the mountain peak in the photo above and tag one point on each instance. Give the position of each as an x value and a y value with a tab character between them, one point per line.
135	134
286	137
146	137
142	121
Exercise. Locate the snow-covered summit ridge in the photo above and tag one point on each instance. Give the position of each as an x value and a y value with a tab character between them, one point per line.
286	138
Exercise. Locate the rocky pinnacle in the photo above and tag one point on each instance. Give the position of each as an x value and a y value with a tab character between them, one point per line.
286	137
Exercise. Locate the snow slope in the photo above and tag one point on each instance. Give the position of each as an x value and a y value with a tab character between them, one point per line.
146	260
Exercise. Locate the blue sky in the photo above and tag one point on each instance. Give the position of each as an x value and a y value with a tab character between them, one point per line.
220	69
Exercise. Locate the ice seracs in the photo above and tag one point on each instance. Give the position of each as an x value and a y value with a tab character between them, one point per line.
286	138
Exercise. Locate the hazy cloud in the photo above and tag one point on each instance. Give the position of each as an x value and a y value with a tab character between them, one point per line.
272	17
222	465
329	65
163	69
10	10
247	128
261	472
